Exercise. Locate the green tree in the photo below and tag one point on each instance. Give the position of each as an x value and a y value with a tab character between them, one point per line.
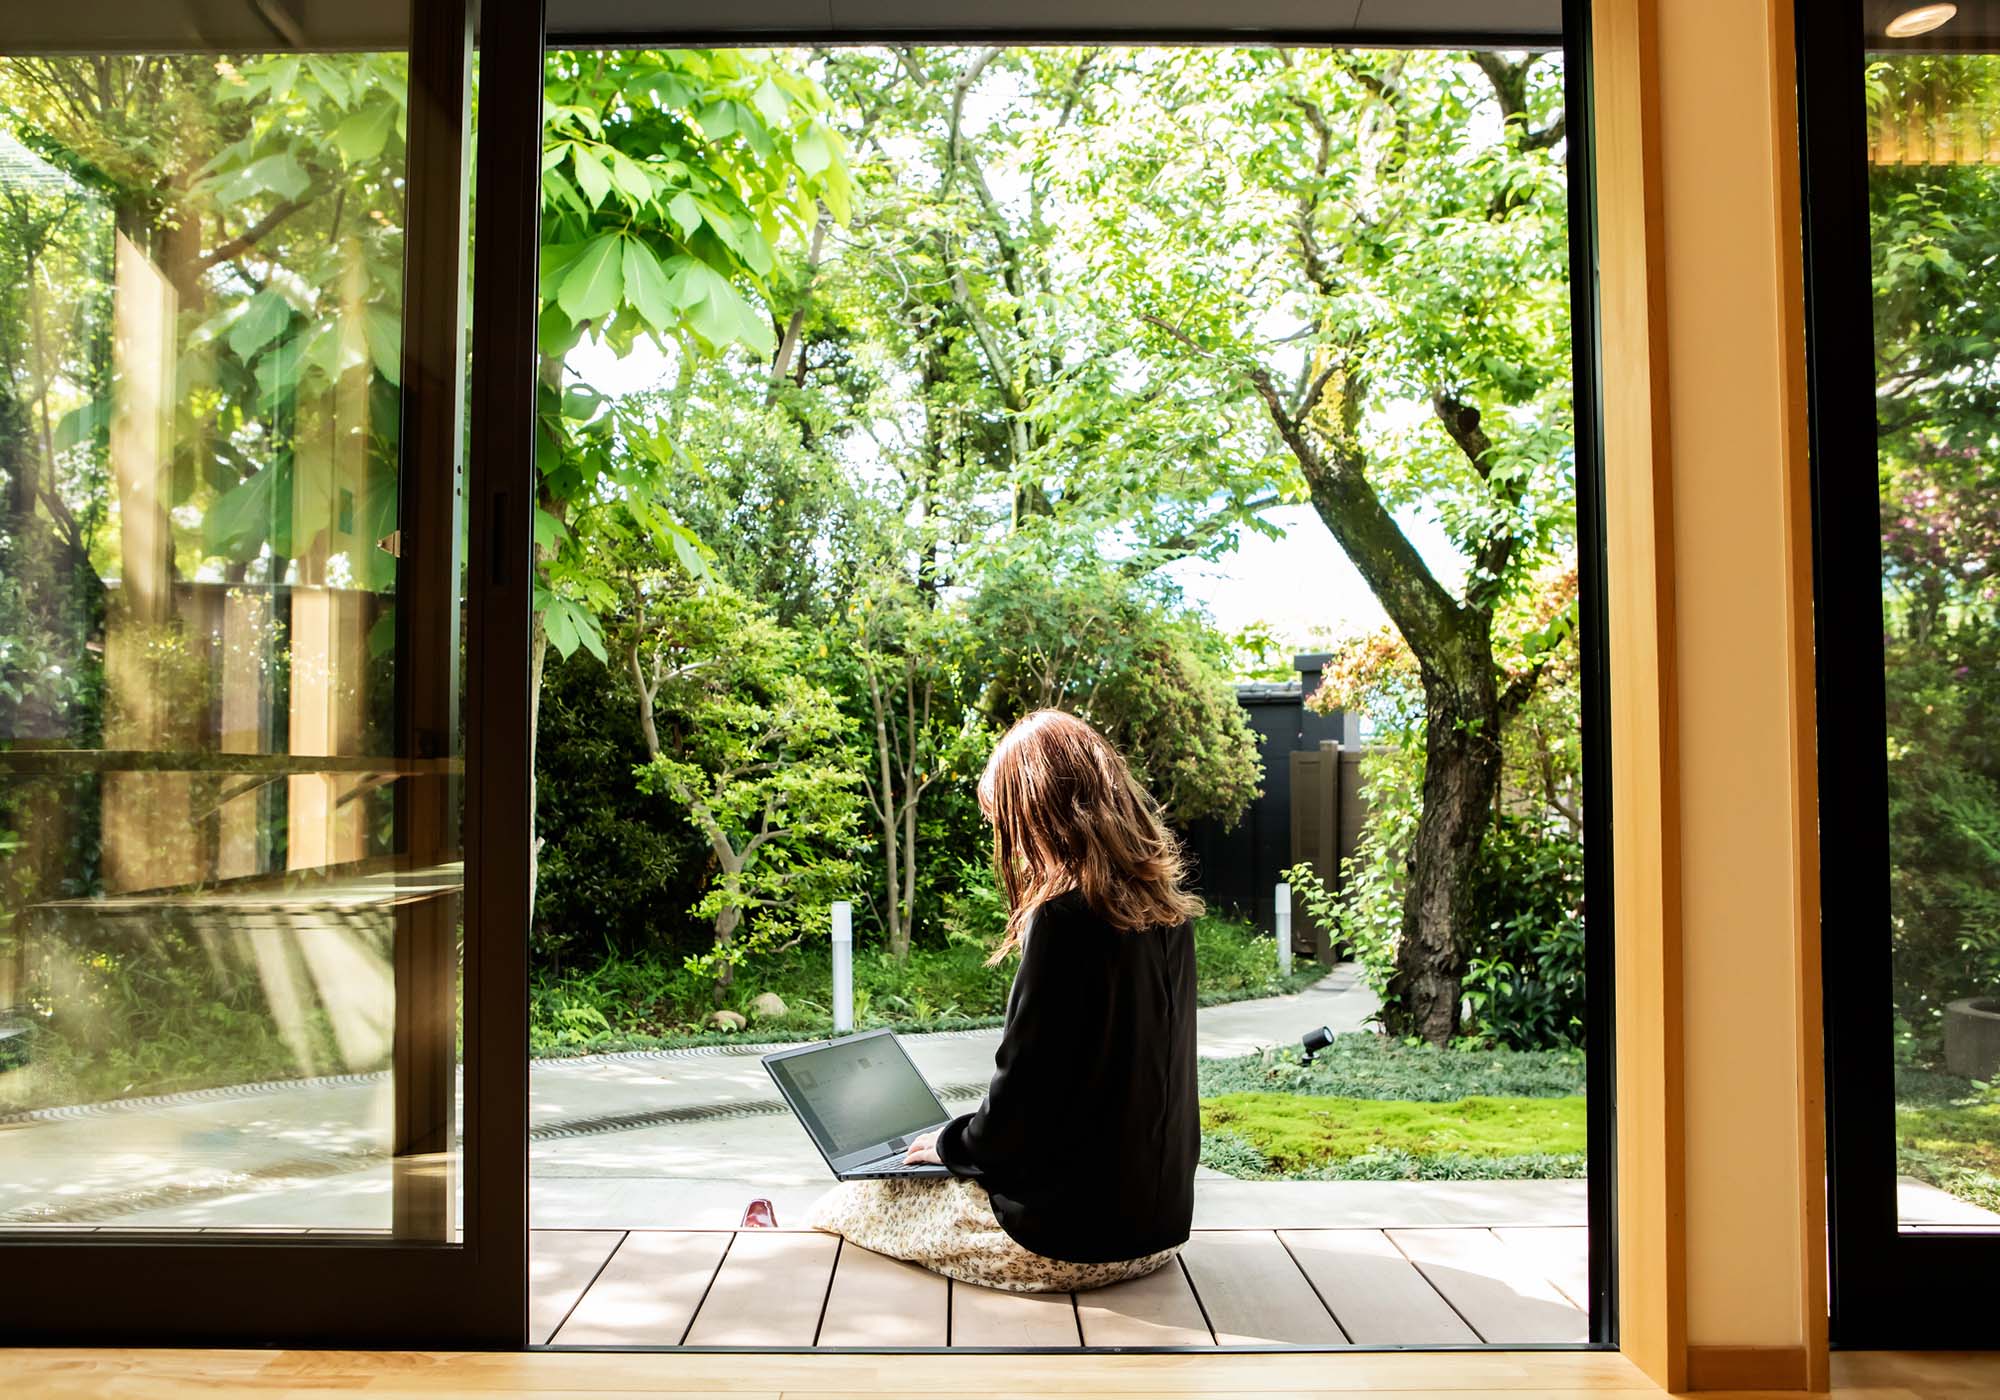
911	661
1933	226
1335	237
753	754
670	178
1093	641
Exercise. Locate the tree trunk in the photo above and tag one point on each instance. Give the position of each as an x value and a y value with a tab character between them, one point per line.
885	810
1461	776
725	930
909	876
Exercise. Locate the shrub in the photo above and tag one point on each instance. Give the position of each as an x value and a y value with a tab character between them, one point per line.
1524	978
1524	969
1362	1065
619	867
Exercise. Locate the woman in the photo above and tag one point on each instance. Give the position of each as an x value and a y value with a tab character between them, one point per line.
1078	1169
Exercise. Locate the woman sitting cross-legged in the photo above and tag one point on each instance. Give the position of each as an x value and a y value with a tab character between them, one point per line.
1078	1169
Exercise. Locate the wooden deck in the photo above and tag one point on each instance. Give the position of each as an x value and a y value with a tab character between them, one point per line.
1231	1288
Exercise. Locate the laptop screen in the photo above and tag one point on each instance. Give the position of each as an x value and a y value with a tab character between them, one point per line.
857	1093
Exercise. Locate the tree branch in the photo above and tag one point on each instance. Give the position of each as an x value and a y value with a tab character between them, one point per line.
256	233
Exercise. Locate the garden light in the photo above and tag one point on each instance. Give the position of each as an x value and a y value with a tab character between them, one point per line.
1315	1041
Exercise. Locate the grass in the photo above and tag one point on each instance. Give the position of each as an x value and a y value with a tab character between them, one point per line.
1373	1109
1302	1132
1948	1134
626	1004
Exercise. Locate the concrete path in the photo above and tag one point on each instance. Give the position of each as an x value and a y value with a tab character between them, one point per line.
312	1152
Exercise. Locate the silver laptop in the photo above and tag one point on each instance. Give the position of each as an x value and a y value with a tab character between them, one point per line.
861	1101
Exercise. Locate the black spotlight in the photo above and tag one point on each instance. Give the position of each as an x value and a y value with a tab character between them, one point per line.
1315	1041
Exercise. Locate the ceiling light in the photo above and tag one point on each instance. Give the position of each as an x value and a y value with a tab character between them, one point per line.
1922	20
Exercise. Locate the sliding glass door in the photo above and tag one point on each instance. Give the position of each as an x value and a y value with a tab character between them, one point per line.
1902	119
249	934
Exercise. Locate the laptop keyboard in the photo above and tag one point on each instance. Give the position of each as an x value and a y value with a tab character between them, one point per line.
892	1164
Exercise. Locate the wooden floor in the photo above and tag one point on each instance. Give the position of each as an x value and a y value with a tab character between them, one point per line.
1477	1375
1230	1288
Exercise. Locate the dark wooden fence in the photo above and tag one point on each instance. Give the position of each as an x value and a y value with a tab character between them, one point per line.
1310	810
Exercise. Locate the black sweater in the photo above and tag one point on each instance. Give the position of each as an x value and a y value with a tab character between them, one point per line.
1089	1133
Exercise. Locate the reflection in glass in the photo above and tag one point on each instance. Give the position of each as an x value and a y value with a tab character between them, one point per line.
206	896
1934	161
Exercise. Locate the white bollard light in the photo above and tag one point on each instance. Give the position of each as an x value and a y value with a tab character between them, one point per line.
843	967
1284	927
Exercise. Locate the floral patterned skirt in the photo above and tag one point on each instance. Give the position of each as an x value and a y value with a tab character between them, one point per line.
946	1224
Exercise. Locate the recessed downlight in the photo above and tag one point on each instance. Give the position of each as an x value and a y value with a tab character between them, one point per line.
1921	20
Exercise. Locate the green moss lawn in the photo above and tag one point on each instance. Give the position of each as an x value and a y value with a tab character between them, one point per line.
1370	1108
1948	1134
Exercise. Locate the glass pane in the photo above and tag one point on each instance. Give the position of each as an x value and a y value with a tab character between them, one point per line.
1934	187
228	933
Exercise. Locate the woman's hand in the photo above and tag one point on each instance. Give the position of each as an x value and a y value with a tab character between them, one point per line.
923	1150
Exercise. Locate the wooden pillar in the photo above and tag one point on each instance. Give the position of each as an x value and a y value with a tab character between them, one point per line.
1721	1241
429	526
241	848
153	683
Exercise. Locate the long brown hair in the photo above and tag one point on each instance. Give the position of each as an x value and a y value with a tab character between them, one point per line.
1067	815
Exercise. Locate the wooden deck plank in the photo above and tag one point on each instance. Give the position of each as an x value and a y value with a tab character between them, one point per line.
1158	1310
648	1293
878	1301
769	1292
561	1264
1499	1291
111	1374
988	1317
1376	1294
1253	1292
1562	1251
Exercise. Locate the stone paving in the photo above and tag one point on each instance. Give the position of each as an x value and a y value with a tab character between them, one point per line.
651	1138
659	1140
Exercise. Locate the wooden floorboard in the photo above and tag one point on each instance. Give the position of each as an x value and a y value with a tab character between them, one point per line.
561	1264
1253	1293
648	1292
880	1302
1375	1293
1501	1293
1321	1288
1561	1251
121	1374
115	1374
770	1291
987	1317
1159	1310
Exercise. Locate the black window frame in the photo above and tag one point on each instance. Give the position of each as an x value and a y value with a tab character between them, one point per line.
1888	1287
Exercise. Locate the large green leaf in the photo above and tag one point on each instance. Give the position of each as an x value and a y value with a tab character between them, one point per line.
591	176
670	90
258	324
595	281
361	136
385	342
82	424
281	174
717	120
258	509
814	149
721	316
630	177
685	213
646	286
